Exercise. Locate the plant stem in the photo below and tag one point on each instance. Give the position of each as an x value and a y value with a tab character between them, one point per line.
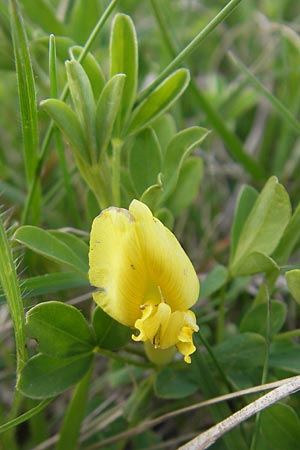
97	179
216	362
255	436
211	388
287	335
117	357
221	316
98	27
11	288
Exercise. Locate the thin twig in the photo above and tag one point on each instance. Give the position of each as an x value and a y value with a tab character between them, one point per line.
209	437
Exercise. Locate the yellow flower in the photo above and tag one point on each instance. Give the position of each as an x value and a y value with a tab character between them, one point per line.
143	277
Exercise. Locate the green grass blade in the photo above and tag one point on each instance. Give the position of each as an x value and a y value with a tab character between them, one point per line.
75	413
191	47
211	388
11	289
24	417
231	141
233	144
289	238
98	27
27	94
284	112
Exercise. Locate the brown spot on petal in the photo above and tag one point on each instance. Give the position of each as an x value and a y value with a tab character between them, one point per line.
99	290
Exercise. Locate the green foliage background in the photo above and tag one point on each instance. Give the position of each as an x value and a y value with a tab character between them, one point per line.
191	107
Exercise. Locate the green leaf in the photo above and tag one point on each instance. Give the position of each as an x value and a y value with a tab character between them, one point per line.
213	281
91	68
187	187
293	282
255	320
262	295
145	160
171	383
289	238
70	194
179	148
107	109
165	128
285	357
48	245
263	228
151	195
50	283
83	99
124	59
255	263
159	100
74	242
241	352
61	330
245	202
280	426
44	376
67	122
109	333
27	92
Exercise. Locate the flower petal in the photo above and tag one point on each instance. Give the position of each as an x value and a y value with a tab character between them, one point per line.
165	329
153	320
117	267
185	337
167	263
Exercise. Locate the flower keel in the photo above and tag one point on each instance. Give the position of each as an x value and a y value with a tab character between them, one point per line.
165	329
